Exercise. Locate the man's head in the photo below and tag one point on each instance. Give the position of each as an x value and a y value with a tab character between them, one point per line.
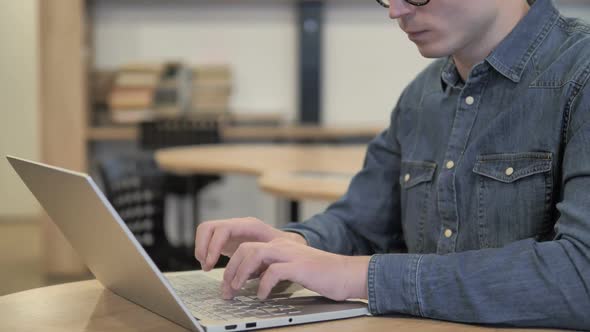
457	27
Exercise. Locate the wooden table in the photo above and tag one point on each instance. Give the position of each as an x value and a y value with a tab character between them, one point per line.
305	185
87	306
295	172
258	159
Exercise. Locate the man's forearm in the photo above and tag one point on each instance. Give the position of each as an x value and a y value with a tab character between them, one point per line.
365	220
525	284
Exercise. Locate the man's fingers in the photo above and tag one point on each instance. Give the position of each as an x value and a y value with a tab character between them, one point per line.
254	260
274	273
218	240
249	266
228	293
235	261
204	233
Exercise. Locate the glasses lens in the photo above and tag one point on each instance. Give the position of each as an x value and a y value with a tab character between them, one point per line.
384	3
418	2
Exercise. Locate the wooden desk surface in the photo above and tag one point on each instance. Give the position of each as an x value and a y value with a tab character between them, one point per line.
298	172
305	185
87	306
257	159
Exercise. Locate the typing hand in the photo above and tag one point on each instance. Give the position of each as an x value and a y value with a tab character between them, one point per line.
222	237
334	276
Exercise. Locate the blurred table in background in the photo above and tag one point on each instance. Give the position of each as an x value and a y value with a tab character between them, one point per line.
286	169
306	185
257	159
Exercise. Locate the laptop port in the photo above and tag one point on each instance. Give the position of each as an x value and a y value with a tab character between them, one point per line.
249	325
231	327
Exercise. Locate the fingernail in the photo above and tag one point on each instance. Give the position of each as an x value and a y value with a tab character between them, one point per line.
235	284
227	293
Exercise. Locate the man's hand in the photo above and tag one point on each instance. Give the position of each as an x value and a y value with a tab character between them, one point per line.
334	276
222	237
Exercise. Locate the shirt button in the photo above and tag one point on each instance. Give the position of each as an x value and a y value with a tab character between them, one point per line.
450	164
407	177
448	233
469	100
509	171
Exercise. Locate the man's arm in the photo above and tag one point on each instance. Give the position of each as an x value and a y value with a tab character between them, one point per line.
367	218
526	283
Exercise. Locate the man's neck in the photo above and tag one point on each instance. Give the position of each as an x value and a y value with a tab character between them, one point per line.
477	51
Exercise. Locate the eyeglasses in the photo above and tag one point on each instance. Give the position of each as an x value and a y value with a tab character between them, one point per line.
385	3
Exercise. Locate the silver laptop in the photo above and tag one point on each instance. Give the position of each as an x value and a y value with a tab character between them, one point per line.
191	299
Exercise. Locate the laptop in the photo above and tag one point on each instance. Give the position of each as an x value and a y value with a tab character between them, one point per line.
190	299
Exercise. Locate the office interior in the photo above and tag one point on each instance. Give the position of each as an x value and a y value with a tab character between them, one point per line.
49	112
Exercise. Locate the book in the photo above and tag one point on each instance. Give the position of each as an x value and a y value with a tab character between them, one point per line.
137	79
211	88
132	116
131	98
145	67
212	72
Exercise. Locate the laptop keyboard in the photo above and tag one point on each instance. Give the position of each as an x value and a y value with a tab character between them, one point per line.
202	295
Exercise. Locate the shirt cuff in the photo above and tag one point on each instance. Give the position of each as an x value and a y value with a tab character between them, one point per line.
393	284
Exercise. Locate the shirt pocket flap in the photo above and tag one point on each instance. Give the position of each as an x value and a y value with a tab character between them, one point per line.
510	167
416	172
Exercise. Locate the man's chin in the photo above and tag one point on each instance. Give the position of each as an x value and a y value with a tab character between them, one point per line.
432	52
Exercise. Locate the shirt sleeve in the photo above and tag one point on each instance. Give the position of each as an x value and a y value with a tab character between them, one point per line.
526	283
367	218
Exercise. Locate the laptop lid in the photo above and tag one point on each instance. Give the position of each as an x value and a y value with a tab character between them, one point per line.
97	233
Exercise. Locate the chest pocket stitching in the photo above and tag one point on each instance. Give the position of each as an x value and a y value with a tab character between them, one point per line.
494	166
419	171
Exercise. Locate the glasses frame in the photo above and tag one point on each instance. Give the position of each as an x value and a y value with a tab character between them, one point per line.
411	2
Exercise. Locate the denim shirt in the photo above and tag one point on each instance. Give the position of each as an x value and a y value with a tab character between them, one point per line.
475	202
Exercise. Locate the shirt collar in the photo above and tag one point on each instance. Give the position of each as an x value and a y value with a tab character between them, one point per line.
450	76
512	55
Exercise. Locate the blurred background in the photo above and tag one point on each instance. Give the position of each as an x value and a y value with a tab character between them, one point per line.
98	85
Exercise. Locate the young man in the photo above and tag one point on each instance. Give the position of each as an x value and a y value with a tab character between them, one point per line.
473	206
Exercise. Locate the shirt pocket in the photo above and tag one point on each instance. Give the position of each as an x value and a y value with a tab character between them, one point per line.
514	196
416	185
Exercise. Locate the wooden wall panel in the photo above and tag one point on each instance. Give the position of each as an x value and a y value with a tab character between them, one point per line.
63	111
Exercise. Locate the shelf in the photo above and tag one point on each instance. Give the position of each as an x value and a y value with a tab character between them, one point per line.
244	133
112	134
129	133
317	133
